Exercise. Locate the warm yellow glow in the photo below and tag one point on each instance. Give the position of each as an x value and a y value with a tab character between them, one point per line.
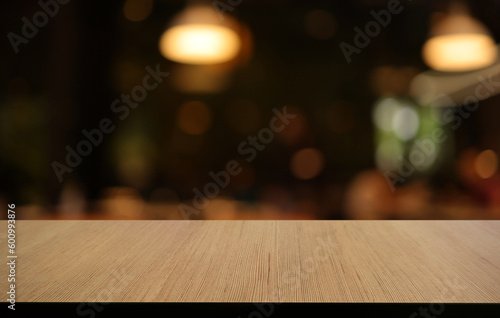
199	44
459	52
486	164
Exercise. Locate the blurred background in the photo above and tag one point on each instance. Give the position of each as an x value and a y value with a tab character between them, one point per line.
395	109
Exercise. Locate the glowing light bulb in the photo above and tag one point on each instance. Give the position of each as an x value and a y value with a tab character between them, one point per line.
459	52
197	36
458	42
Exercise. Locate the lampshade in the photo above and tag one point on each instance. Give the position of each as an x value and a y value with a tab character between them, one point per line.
458	42
198	36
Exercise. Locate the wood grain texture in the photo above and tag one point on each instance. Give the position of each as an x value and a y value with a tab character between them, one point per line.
256	261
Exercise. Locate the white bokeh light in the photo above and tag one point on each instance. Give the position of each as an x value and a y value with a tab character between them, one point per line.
405	123
384	112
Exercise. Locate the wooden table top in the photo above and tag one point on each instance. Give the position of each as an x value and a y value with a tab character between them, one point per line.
256	261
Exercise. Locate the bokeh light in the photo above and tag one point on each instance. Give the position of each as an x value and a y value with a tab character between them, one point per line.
460	52
297	129
368	197
200	44
458	42
486	164
137	10
307	163
122	202
405	123
367	139
383	113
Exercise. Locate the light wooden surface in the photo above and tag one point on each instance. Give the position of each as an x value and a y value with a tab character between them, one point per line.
256	261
